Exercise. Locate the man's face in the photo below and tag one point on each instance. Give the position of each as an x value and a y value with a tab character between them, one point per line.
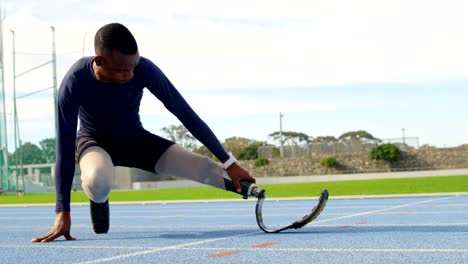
116	67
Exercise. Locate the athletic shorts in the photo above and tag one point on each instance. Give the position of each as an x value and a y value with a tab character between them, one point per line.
140	149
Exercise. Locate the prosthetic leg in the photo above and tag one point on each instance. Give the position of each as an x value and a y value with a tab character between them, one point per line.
204	170
249	189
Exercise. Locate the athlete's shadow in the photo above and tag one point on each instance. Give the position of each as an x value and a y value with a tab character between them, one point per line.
164	234
225	233
212	234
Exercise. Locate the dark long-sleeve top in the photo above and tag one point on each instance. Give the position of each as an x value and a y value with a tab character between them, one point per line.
112	110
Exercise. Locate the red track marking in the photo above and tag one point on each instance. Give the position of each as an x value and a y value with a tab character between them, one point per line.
343	227
223	254
264	245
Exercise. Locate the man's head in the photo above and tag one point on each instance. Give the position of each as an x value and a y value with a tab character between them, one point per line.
116	53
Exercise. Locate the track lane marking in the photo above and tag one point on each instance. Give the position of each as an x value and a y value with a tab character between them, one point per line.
376	211
174	247
424	250
400	250
264	245
223	254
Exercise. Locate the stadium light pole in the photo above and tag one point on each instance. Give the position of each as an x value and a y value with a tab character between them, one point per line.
54	87
54	81
4	171
15	113
403	133
281	135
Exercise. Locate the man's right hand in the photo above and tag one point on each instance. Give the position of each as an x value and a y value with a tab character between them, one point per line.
61	227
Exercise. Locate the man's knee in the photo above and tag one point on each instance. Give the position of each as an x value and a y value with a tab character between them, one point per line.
97	183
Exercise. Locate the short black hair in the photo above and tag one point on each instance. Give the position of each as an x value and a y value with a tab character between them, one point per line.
115	36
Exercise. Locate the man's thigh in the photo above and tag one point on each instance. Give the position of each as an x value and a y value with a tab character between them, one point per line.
141	150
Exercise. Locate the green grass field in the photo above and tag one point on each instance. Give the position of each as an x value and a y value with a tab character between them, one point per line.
356	187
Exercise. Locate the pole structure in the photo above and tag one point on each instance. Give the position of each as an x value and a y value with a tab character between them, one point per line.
54	81
403	131
15	114
281	135
18	148
84	44
4	172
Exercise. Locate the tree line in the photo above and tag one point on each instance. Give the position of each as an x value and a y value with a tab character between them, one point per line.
242	148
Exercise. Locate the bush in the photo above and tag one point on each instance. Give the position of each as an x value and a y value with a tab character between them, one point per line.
387	152
276	152
250	152
328	162
260	162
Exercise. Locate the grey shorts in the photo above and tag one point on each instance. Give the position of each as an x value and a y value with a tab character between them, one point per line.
140	149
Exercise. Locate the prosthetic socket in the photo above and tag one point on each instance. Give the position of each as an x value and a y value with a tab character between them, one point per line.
248	189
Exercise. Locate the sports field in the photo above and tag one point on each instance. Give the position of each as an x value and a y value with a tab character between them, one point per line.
441	184
397	230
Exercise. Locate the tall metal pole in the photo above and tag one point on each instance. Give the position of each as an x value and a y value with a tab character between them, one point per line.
18	148
281	135
84	44
15	113
54	81
403	131
4	172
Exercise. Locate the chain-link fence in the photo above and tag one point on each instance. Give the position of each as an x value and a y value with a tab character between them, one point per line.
334	148
39	178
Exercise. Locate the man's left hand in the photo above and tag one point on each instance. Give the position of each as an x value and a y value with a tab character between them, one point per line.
237	174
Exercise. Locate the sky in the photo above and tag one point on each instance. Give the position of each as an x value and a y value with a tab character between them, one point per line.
392	68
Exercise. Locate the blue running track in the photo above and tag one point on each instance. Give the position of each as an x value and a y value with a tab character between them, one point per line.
393	230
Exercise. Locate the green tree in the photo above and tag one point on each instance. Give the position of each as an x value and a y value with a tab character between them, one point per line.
181	136
325	139
236	145
260	162
31	154
387	152
48	149
250	152
329	162
291	137
360	135
241	148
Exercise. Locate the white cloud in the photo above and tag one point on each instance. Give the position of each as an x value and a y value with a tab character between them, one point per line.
309	43
235	104
240	45
30	109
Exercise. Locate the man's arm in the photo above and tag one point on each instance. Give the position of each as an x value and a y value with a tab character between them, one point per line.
68	105
65	163
163	89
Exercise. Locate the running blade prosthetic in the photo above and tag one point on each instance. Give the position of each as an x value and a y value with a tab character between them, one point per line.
250	189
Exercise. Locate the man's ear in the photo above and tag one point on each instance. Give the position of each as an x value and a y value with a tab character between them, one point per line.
98	60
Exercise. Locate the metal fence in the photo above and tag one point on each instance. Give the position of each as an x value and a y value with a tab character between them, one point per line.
334	148
39	178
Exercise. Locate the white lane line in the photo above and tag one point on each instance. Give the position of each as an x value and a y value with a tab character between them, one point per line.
87	217
411	250
41	246
145	252
267	214
403	225
377	211
137	226
149	250
451	224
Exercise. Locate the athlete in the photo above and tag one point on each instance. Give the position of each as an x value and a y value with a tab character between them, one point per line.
104	92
